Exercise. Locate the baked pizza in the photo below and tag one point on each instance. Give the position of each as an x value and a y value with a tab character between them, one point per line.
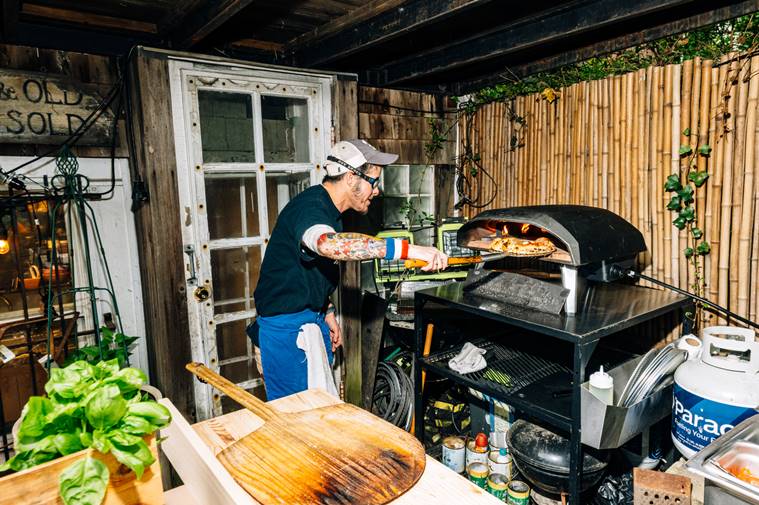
515	246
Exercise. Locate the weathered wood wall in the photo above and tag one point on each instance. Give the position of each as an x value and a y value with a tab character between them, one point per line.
397	122
99	71
159	237
612	143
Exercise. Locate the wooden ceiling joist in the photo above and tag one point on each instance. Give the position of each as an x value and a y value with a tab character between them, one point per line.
550	27
395	19
87	19
263	45
605	47
202	21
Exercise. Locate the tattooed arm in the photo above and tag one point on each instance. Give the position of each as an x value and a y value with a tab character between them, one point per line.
350	246
357	246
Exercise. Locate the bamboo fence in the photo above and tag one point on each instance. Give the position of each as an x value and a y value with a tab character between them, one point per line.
612	143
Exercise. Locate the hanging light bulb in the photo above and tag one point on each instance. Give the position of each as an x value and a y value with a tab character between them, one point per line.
5	246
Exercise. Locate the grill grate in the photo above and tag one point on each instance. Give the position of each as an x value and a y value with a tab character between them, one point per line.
508	370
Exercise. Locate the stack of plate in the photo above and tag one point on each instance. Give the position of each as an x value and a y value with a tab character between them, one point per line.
654	371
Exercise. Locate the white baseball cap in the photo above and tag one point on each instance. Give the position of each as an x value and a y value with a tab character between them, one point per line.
352	154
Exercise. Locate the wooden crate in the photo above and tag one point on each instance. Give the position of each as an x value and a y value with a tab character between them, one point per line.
41	482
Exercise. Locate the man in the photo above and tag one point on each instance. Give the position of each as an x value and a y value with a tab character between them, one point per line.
300	269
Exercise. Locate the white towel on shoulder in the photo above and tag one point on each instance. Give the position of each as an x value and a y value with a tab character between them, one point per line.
311	341
469	360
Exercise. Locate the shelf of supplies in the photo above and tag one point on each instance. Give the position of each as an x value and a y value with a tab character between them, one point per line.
525	381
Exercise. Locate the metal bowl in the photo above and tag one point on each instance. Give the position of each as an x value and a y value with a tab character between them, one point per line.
543	458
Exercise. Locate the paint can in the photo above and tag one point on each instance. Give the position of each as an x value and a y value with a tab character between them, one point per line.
476	453
454	456
478	473
499	461
518	493
497	485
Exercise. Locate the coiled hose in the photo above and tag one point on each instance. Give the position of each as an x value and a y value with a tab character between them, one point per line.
393	395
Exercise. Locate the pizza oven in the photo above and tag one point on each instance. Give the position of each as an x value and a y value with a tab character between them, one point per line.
589	242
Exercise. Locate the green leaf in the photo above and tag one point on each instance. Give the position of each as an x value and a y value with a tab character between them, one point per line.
686	132
674	203
705	150
673	183
686	194
696	232
128	379
107	369
154	412
27	459
84	482
106	407
679	222
136	455
685	151
137	425
698	178
688	252
33	417
67	443
703	248
688	213
101	442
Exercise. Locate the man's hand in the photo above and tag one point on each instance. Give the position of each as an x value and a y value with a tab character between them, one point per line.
436	259
334	331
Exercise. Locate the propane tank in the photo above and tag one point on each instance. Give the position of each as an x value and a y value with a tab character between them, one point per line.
715	392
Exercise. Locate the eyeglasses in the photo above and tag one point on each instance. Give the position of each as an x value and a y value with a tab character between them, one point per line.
373	181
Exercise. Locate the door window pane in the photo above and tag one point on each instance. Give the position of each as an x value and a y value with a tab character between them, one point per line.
232	341
235	275
230	199
280	189
226	127
285	129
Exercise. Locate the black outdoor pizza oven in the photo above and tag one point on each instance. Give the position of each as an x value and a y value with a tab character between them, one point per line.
591	242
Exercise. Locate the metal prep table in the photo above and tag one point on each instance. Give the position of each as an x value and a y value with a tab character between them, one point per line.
607	309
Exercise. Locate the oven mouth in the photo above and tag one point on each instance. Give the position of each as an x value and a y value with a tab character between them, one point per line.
480	238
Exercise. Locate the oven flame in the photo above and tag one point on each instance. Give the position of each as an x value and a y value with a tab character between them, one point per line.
525	227
505	230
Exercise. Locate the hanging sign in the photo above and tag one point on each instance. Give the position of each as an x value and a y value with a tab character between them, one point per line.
43	109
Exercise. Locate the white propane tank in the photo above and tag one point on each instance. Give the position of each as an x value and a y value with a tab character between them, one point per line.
716	392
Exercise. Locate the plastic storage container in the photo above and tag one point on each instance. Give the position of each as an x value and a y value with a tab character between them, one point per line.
713	394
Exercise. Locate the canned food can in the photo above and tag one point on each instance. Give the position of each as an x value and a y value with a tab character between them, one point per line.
454	454
475	454
518	493
497	485
478	473
499	463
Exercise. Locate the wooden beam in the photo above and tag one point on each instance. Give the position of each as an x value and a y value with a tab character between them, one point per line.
380	21
9	13
608	46
201	22
87	19
258	44
551	27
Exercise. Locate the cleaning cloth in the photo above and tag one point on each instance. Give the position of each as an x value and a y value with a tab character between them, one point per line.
470	359
310	340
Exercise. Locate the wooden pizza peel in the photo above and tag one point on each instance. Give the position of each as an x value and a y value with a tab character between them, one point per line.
338	454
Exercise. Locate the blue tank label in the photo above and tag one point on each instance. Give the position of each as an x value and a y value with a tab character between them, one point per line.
696	421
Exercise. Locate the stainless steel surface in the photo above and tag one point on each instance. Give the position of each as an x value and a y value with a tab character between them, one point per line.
657	371
610	426
576	284
607	308
742	442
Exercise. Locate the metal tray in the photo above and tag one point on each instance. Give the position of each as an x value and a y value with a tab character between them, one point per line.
740	445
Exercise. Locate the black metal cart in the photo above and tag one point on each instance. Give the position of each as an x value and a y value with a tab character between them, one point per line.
608	309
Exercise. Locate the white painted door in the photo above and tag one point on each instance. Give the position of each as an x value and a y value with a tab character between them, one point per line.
248	141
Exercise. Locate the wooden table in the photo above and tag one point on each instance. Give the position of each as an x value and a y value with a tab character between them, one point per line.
208	483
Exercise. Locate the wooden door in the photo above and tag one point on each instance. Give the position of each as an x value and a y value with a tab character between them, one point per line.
248	141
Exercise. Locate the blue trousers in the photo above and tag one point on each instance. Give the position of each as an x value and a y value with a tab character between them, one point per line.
284	365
